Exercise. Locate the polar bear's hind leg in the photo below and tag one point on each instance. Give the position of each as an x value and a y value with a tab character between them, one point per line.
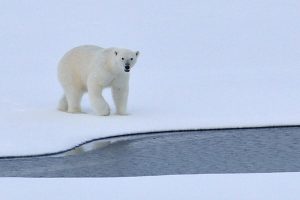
73	101
63	104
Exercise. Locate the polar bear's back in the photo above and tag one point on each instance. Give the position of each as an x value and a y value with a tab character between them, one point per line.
80	55
76	64
85	49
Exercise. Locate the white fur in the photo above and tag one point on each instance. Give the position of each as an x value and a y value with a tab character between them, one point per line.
91	68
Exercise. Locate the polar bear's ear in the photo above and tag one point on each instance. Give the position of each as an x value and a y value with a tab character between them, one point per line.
116	53
137	53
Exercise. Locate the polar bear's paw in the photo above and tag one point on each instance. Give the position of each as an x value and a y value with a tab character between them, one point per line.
74	110
104	111
63	104
123	113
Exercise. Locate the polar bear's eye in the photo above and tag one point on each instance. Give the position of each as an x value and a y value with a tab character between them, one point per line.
122	58
131	58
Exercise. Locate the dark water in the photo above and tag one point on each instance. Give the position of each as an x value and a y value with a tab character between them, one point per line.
227	151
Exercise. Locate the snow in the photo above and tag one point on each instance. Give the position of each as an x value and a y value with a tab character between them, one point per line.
275	186
203	64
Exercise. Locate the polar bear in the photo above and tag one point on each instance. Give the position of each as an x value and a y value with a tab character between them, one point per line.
90	69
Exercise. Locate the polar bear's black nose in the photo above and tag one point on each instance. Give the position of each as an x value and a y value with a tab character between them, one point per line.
127	66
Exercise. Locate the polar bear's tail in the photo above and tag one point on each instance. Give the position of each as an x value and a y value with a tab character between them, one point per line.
63	104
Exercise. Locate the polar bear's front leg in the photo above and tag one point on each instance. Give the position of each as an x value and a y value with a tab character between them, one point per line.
98	103
120	96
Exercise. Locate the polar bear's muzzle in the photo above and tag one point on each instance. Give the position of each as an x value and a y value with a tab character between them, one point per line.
127	68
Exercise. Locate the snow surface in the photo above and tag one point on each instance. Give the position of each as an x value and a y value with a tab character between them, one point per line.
280	186
203	64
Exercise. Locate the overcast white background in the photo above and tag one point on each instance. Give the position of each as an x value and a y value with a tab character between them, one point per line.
203	64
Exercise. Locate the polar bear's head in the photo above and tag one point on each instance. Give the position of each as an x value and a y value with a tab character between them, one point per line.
125	59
